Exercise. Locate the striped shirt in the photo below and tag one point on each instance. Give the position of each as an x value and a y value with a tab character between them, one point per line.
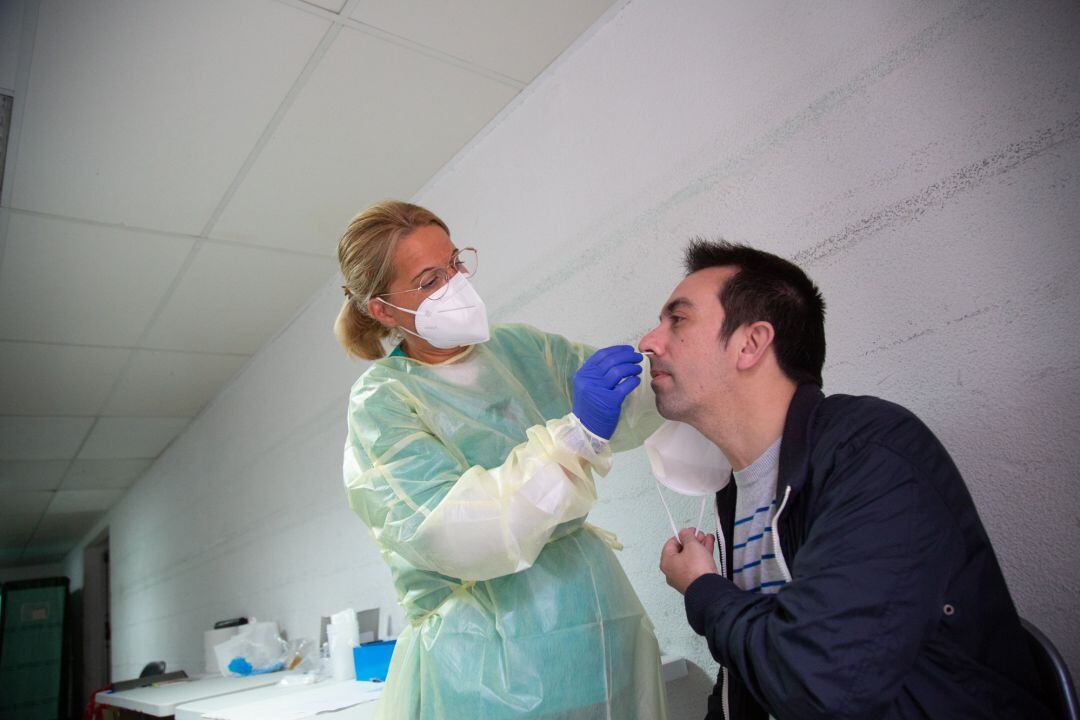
753	552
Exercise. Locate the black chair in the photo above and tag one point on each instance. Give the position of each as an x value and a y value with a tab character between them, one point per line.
153	668
1054	673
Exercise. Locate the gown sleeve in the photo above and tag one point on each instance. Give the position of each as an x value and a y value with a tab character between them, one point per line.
423	501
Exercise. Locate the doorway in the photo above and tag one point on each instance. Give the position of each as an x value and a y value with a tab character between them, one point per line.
96	635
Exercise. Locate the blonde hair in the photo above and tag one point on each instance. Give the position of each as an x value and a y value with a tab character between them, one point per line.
366	256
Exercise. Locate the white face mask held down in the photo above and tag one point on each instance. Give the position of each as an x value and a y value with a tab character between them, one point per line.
687	462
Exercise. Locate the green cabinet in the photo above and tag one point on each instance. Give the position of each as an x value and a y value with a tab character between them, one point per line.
33	658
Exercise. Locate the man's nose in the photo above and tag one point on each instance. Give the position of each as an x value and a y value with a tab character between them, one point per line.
649	344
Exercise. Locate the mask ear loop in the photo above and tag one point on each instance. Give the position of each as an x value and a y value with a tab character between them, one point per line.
406	310
701	513
671	520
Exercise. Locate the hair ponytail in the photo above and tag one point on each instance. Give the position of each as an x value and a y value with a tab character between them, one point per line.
360	334
366	255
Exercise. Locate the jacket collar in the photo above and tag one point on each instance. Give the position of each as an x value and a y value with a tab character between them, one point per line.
795	446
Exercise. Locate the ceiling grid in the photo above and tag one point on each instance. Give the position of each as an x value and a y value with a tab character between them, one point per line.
175	181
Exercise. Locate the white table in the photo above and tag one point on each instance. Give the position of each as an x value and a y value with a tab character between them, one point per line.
356	712
327	700
195	710
161	701
259	696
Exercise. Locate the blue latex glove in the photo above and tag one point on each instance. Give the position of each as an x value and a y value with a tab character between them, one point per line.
601	385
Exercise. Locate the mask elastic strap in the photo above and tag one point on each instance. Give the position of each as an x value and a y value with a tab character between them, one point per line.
401	327
674	530
404	329
411	312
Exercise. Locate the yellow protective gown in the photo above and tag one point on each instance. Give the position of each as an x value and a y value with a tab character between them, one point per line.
474	479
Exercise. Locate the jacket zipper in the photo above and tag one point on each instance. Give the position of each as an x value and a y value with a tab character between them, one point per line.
720	543
780	560
724	708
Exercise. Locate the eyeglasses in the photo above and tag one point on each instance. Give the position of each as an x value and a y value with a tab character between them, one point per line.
434	282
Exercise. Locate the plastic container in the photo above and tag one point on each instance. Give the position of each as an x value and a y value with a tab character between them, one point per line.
372	659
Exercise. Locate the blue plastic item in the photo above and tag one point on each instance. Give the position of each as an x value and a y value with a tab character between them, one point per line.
240	666
372	659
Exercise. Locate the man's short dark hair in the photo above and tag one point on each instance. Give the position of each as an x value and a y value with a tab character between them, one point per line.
768	287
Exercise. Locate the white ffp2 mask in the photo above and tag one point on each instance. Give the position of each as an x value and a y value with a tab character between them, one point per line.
459	317
687	462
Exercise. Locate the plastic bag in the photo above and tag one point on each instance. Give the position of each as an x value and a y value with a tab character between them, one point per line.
301	656
257	648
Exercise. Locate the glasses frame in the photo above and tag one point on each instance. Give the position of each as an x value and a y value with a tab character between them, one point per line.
451	266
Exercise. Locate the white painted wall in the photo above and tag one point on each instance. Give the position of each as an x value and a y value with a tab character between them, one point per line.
919	159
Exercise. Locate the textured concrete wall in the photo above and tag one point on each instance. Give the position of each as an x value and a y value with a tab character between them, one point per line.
919	159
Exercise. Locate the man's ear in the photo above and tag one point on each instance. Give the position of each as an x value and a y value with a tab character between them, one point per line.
381	312
757	338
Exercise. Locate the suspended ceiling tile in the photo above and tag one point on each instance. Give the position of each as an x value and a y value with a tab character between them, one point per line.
103	474
122	276
31	474
171	384
40	379
33	502
518	38
125	438
234	299
41	438
51	554
143	113
82	501
10	556
38	553
333	6
361	130
16	530
62	528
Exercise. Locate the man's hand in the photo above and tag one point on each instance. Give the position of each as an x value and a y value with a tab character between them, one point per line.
686	558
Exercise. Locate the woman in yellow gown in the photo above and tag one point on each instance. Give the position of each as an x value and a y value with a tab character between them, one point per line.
474	476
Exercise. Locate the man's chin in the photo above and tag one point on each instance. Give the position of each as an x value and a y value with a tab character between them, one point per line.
666	409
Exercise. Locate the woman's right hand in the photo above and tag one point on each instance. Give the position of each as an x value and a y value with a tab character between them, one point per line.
601	385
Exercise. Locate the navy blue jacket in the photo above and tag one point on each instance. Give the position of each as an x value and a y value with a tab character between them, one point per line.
896	606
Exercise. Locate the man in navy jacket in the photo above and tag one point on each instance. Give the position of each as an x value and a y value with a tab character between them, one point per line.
875	592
